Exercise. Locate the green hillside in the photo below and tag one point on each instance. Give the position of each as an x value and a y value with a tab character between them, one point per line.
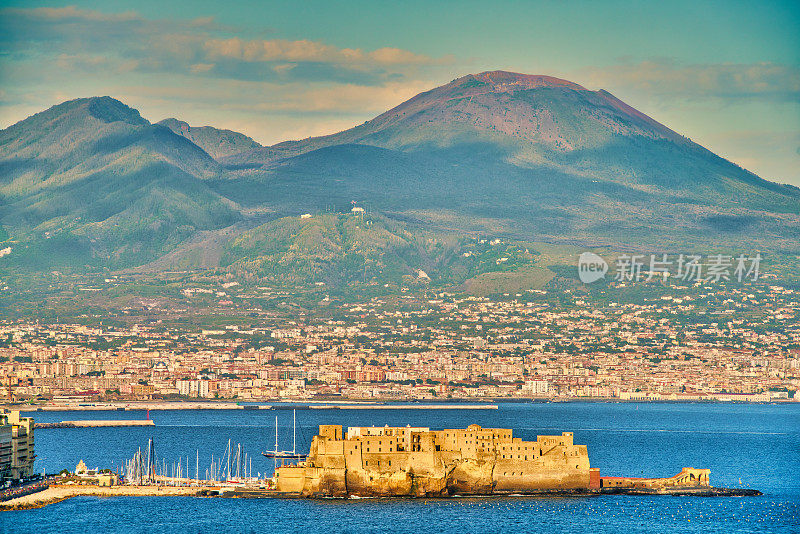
89	183
337	249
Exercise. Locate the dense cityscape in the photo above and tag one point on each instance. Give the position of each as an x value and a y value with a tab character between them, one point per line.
741	342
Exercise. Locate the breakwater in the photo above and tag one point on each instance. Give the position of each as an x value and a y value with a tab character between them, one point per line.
56	493
188	405
96	423
401	407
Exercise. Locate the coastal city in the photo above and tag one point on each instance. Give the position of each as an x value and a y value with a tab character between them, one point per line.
738	343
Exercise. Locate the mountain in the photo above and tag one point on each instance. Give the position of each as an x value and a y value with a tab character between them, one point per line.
515	108
525	158
90	182
217	143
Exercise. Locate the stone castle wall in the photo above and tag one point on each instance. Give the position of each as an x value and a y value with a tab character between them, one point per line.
417	461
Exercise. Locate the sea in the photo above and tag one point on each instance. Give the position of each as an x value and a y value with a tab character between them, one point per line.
744	445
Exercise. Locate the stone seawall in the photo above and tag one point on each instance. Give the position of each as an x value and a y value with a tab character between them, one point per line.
96	423
57	493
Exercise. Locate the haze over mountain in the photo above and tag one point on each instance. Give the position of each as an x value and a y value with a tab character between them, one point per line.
497	153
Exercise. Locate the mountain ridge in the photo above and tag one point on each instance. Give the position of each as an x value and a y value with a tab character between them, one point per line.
529	157
93	177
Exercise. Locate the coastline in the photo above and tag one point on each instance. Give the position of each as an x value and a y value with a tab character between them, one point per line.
378	404
58	493
299	405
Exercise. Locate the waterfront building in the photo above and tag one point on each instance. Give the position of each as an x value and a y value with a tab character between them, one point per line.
16	446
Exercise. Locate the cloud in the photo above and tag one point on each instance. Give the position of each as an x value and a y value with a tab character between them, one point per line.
665	78
201	67
66	14
308	51
198	47
201	71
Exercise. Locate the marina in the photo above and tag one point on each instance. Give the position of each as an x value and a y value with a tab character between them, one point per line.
193	477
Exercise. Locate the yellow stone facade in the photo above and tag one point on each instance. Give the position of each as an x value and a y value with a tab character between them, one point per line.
417	461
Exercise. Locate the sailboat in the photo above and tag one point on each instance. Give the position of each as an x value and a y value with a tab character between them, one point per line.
286	455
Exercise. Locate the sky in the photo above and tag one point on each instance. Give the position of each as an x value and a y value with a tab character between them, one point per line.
725	74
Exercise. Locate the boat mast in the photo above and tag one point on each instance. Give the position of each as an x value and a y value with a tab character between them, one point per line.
294	431
229	459
239	461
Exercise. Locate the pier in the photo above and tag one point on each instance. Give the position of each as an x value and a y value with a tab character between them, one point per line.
190	405
96	423
400	407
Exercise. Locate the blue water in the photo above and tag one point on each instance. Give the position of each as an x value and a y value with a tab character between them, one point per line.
744	445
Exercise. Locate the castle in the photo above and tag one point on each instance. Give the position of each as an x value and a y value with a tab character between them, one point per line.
417	461
420	461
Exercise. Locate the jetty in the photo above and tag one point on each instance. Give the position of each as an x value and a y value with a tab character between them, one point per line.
402	407
96	423
192	405
59	492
